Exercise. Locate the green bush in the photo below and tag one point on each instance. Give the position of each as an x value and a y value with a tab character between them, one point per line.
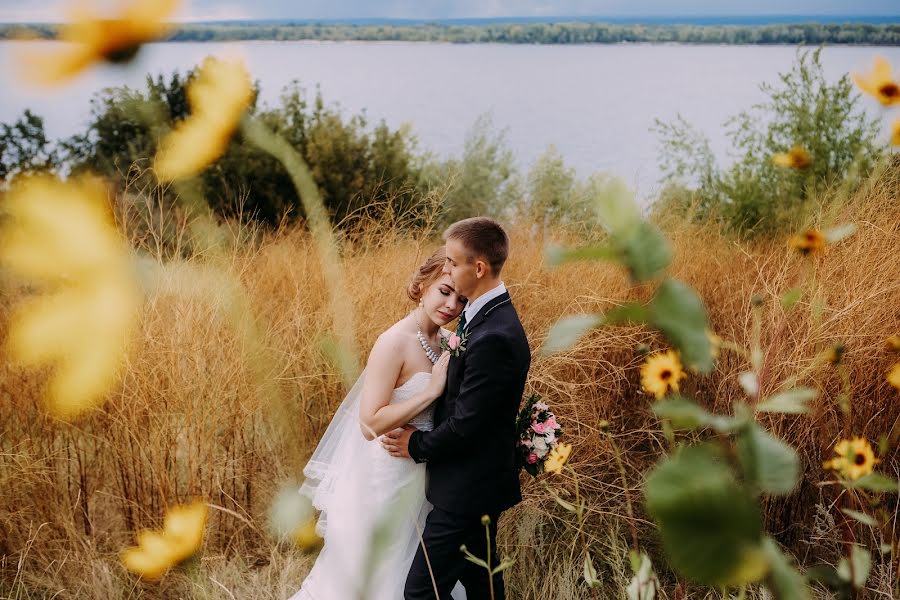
356	166
753	195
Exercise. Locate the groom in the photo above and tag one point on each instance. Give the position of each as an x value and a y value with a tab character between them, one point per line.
471	453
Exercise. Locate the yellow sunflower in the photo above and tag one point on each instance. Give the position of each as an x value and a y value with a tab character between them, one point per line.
61	237
661	373
893	343
557	458
893	376
89	38
855	458
879	82
158	551
796	158
811	241
218	96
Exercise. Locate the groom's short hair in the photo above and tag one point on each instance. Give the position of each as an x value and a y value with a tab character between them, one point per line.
482	237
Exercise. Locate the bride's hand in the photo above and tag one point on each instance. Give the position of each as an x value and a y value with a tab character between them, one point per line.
439	376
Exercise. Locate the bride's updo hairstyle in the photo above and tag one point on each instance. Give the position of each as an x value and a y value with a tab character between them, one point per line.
426	274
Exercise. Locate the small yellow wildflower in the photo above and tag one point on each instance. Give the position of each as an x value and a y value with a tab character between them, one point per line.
893	376
811	241
557	458
218	95
89	38
305	537
835	354
661	373
715	343
795	158
893	343
61	235
855	458
159	551
879	82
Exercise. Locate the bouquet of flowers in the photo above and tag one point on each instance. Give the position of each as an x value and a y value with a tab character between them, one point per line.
539	434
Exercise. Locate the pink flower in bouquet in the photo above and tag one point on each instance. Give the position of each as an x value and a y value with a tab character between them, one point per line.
539	428
540	406
532	458
552	424
453	342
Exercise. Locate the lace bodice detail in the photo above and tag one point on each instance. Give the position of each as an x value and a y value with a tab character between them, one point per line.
424	421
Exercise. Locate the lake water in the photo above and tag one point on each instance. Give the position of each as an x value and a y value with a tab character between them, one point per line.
595	103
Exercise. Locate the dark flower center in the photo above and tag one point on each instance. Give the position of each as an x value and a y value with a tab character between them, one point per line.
890	90
122	55
665	375
859	459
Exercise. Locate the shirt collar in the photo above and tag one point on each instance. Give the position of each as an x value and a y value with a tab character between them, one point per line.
474	306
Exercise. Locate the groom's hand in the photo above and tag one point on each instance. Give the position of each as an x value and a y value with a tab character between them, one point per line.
396	442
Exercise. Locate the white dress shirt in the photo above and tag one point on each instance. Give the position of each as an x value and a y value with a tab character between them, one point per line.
473	306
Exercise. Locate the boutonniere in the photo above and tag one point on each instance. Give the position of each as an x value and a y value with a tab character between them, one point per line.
454	344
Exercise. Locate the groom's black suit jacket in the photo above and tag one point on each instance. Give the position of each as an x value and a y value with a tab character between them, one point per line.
471	452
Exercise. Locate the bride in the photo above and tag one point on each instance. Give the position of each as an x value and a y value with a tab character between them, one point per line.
373	505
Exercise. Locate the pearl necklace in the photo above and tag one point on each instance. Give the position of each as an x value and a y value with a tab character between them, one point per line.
429	352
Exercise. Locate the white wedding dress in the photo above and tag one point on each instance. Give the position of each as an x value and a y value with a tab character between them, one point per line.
372	505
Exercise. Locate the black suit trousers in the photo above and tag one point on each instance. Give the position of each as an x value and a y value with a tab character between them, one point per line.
444	533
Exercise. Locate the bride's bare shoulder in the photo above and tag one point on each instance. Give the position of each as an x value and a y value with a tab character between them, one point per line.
394	337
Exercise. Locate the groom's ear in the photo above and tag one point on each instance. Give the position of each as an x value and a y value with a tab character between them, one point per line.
481	268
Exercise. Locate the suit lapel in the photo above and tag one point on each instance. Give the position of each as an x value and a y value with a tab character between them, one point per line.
486	310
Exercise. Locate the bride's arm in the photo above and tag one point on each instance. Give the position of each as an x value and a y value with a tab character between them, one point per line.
376	415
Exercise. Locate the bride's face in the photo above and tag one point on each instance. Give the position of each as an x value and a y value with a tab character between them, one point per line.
441	302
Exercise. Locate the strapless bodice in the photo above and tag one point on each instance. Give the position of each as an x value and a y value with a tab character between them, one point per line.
424	421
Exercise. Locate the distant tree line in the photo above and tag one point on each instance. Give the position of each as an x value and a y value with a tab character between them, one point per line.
812	34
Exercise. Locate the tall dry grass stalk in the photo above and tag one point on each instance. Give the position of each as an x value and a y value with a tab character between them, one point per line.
191	417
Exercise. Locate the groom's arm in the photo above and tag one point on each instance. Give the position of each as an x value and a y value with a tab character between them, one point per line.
489	372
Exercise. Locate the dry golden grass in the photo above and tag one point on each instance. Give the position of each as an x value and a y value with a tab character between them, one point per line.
228	388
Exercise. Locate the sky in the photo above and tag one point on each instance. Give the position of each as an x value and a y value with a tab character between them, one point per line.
199	10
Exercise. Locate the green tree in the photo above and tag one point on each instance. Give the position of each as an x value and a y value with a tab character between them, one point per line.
25	148
753	195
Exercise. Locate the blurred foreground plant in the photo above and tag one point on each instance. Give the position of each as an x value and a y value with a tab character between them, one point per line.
61	238
180	539
89	38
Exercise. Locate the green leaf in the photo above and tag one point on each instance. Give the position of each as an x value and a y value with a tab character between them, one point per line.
769	463
504	565
687	414
861	559
555	256
568	330
836	234
791	297
474	559
785	582
644	583
792	401
645	251
678	312
876	482
710	526
861	517
566	505
617	209
590	573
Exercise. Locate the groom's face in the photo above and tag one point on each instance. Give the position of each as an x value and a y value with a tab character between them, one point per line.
461	268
